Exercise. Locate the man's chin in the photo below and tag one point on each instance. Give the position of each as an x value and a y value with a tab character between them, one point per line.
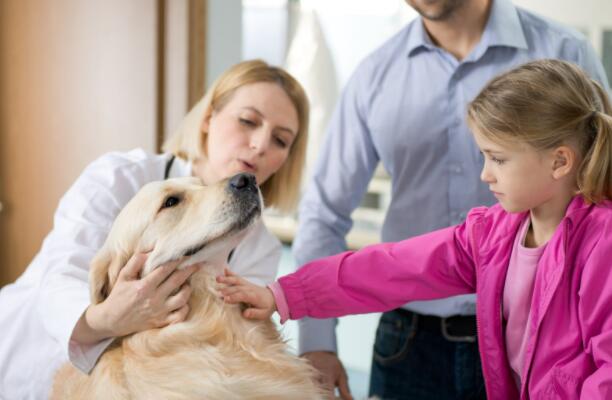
439	12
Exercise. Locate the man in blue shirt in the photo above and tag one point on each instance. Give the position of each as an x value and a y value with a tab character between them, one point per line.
405	107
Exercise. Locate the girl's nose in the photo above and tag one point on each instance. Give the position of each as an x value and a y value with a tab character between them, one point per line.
485	175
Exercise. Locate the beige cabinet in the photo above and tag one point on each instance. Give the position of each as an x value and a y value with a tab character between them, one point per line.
77	78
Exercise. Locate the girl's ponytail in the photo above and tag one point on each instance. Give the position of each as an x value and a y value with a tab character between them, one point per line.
595	172
546	104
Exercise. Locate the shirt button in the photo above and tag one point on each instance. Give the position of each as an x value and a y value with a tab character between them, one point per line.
456	168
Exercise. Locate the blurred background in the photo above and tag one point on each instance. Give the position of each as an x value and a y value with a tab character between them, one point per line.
79	78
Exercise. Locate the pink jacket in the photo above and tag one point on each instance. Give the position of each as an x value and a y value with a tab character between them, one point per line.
569	354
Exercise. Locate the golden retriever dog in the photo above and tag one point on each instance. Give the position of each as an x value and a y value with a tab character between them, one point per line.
215	353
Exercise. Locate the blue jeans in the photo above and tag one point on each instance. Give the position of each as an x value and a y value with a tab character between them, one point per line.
411	362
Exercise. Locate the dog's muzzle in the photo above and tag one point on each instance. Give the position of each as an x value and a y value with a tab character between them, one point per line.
243	184
243	188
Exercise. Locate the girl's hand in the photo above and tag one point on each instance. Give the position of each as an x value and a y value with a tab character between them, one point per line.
259	299
134	304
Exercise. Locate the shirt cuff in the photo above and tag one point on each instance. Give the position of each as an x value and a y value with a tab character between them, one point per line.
317	335
85	356
281	301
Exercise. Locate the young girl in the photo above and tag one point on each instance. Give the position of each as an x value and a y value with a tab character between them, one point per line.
539	261
254	119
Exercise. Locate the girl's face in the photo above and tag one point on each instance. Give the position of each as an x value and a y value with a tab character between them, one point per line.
252	133
519	176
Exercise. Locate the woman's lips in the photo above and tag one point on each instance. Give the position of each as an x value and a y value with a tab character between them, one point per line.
249	167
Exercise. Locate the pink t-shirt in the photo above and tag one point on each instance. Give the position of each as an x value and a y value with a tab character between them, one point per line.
518	291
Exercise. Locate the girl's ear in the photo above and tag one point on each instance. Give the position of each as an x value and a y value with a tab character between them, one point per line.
564	159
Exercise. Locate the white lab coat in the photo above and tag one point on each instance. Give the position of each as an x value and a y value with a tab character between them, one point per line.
40	310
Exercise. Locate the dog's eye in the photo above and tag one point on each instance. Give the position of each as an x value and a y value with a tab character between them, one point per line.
171	201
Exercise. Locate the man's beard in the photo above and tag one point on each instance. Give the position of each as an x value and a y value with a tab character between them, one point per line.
446	9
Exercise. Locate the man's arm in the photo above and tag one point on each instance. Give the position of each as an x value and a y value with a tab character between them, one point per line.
340	178
582	53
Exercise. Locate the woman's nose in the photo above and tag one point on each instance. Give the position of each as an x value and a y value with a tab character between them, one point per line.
260	141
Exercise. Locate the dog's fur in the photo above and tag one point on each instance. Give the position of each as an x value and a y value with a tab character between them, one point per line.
215	353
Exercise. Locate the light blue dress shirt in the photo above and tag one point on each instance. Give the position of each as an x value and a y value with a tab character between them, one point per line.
405	106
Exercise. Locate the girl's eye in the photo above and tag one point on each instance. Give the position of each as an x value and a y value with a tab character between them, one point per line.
497	161
247	122
171	201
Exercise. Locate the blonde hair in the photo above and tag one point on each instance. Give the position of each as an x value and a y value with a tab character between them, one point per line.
548	103
282	189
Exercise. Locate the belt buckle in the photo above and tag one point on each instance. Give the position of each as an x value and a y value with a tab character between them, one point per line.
451	338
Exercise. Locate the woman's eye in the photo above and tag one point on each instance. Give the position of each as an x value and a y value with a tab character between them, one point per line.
171	201
280	142
247	122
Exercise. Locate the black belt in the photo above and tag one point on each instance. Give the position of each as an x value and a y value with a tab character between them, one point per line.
458	328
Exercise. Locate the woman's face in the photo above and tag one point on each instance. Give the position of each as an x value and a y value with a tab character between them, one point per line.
252	133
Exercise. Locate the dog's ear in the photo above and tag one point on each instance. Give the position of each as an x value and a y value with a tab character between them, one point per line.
103	274
98	277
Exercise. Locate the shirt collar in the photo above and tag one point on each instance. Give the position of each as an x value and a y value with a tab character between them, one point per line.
418	38
578	208
503	28
180	168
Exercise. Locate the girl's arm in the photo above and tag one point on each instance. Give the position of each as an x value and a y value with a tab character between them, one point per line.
261	301
596	320
257	256
377	278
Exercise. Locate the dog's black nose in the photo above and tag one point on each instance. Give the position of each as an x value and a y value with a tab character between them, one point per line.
242	182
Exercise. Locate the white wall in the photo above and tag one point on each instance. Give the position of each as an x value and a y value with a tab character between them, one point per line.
223	36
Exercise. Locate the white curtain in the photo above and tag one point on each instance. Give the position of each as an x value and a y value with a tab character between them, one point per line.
309	60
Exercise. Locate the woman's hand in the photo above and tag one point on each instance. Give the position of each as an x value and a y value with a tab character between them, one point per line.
134	304
259	299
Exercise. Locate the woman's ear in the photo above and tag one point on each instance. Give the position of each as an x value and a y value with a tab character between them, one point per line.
205	125
564	160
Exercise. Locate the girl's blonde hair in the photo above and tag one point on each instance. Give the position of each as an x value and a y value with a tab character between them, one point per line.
282	189
548	103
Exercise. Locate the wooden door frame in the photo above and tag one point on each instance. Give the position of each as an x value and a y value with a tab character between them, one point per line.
194	64
197	51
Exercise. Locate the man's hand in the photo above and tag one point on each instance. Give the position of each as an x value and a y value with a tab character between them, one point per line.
332	372
259	299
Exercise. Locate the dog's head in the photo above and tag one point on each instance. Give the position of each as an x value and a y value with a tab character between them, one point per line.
177	219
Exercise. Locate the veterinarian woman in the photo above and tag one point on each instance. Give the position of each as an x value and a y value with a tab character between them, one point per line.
253	119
